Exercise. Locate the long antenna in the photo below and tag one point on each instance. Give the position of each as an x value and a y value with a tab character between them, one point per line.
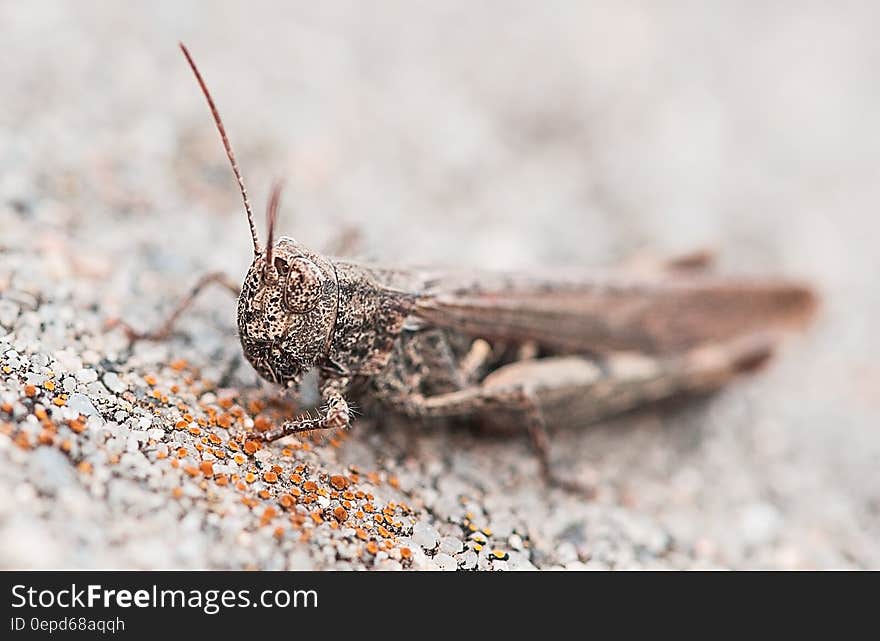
271	218
227	146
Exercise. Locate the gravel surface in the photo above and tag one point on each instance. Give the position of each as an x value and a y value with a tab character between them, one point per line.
506	136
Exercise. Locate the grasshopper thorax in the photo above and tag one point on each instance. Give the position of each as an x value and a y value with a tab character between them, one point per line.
287	311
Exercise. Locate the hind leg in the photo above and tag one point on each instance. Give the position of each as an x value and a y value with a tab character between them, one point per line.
572	391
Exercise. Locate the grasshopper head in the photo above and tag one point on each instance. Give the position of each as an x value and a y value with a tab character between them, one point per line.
287	307
287	311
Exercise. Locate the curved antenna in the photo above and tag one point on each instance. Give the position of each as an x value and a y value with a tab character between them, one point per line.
226	145
271	218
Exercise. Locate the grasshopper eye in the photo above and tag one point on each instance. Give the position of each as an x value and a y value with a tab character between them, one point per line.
304	286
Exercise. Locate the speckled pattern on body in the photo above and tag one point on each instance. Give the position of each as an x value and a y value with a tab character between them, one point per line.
475	136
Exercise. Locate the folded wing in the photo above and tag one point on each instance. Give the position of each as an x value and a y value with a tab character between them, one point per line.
605	313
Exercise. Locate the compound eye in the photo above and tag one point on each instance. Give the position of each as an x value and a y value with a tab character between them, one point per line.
304	285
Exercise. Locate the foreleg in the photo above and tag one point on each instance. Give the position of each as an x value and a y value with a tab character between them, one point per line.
334	414
164	330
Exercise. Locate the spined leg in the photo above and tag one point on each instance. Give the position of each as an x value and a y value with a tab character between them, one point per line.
427	355
164	330
484	401
333	415
572	391
540	441
581	390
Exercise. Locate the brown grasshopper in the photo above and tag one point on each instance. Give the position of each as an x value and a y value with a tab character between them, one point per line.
515	351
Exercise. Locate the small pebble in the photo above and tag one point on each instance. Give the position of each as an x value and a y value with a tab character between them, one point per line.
8	313
50	470
468	560
68	361
425	536
86	376
35	379
450	545
114	383
80	404
445	562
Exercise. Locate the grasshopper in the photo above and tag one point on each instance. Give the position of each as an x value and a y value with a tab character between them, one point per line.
514	351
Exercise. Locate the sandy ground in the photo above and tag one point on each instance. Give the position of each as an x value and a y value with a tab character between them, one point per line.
509	135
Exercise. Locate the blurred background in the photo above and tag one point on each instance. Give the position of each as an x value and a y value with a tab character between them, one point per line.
500	135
